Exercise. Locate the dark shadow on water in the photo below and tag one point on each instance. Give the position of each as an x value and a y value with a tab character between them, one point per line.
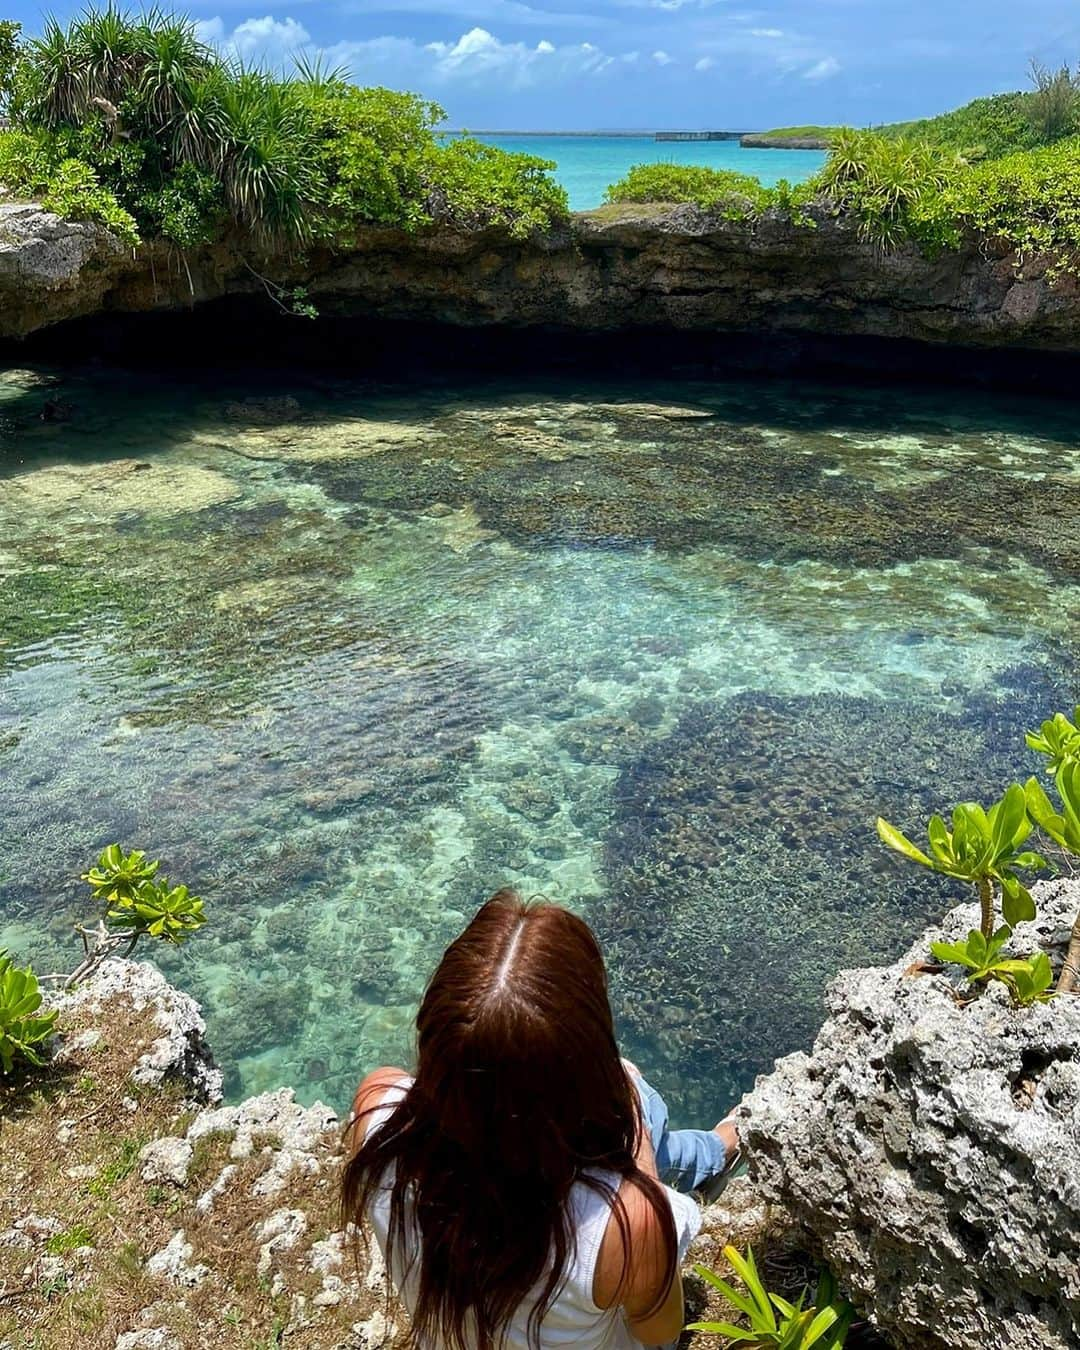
238	349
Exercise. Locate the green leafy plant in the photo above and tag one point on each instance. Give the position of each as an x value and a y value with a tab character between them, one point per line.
160	911
1054	103
984	848
139	903
891	185
69	1240
117	878
733	195
1059	740
22	1031
9	53
981	956
772	1321
1033	982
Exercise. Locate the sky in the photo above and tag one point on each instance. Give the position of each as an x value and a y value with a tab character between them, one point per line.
656	64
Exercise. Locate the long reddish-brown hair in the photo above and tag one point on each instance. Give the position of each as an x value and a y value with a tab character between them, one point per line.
519	1094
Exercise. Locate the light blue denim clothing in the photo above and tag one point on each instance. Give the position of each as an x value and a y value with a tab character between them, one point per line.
685	1159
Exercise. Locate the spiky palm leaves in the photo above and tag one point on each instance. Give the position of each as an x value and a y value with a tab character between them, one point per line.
883	180
143	65
153	76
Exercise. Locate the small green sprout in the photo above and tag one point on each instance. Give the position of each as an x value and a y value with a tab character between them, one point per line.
774	1323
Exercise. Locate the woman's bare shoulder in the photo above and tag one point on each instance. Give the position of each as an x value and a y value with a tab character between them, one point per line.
373	1091
632	1255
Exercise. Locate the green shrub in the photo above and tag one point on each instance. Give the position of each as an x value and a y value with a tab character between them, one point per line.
134	122
1054	105
985	128
1030	202
9	51
736	196
474	185
140	903
22	1031
75	193
773	1323
892	187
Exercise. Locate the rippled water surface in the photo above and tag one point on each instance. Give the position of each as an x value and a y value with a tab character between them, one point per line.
350	662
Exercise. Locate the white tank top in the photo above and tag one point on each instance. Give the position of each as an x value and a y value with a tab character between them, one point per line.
573	1318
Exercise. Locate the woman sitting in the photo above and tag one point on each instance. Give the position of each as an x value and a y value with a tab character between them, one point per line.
515	1184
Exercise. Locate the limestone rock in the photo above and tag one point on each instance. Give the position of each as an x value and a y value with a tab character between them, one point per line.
174	1263
118	488
278	1233
299	1135
153	1338
180	1052
627	266
930	1148
166	1160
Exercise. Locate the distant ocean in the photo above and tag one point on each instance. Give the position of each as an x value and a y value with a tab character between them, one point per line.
586	165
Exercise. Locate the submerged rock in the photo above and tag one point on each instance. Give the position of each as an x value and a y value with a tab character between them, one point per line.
118	487
929	1146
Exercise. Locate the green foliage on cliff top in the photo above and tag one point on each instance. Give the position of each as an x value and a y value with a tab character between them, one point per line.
900	190
988	128
735	195
130	120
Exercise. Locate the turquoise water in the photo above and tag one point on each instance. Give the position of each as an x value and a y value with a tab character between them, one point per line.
586	165
660	651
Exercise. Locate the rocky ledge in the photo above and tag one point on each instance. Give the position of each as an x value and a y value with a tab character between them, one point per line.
929	1147
139	1213
620	268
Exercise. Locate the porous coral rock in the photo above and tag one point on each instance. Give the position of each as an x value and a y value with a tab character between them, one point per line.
280	1232
173	1262
166	1159
180	1052
153	1338
929	1146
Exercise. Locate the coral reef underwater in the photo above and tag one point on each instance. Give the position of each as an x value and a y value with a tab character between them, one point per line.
348	657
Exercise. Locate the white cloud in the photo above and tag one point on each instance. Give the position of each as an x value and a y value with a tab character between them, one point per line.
477	58
662	59
825	69
767	32
265	41
706	63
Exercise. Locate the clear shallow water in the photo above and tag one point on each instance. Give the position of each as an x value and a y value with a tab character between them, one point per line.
660	653
587	165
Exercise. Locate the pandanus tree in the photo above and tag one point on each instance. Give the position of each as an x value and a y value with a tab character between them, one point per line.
1059	740
985	847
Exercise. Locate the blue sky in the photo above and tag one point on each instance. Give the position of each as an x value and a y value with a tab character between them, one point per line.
573	64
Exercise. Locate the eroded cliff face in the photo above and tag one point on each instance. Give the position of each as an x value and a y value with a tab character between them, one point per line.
624	268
